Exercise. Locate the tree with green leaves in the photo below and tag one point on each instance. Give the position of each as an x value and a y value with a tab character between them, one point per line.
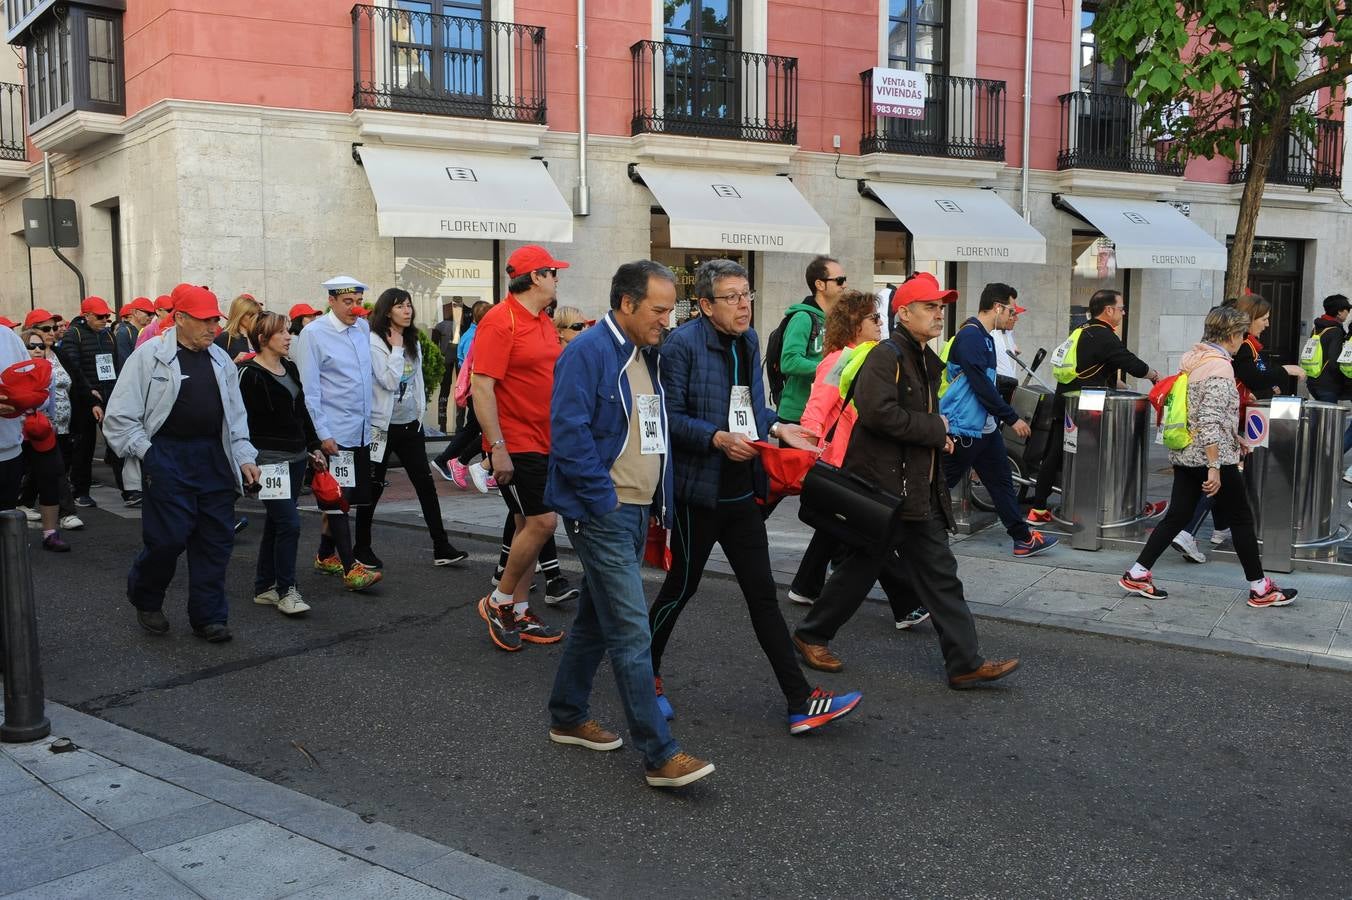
1214	76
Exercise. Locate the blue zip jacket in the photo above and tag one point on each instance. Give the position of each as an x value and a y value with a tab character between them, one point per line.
699	392
971	395
589	423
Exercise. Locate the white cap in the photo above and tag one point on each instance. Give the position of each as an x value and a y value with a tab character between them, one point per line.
343	283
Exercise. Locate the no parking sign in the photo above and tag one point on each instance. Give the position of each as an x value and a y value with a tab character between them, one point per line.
1254	430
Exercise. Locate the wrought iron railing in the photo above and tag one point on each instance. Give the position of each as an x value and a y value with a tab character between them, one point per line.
1104	131
11	122
447	65
1300	162
704	92
963	118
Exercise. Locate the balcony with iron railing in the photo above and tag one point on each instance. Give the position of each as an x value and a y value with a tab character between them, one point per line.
1105	131
963	118
12	146
1300	162
408	61
714	93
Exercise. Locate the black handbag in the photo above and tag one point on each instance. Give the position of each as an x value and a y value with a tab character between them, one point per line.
853	510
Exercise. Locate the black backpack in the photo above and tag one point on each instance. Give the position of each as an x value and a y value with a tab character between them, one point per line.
774	352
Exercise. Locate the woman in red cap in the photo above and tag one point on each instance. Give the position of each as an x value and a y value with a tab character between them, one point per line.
43	470
39	341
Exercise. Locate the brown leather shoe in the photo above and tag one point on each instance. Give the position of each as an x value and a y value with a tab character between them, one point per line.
818	656
990	670
589	734
679	771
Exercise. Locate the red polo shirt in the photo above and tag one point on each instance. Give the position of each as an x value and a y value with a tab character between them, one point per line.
517	350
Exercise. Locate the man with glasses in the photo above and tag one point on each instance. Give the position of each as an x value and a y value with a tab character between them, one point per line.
177	418
515	348
975	412
1101	360
715	409
135	316
804	335
333	354
87	352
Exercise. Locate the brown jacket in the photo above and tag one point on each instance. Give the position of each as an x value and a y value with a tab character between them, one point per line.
899	435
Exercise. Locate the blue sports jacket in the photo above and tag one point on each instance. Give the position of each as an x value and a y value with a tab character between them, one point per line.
589	423
699	392
971	394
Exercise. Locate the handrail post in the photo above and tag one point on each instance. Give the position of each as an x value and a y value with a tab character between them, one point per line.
25	717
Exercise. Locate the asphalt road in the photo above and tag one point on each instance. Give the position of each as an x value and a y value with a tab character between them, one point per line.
1103	768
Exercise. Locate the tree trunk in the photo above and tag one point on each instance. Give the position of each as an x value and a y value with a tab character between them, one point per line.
1260	157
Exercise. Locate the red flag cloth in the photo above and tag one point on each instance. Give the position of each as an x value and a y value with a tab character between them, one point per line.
656	553
38	431
24	385
327	493
786	468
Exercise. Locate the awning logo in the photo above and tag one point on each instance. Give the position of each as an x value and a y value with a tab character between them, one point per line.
460	173
726	190
948	206
1136	218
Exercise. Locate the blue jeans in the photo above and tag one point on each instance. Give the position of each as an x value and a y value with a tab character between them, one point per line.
281	538
612	617
988	456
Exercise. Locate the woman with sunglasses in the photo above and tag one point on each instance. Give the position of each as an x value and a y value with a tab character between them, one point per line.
43	470
397	405
570	323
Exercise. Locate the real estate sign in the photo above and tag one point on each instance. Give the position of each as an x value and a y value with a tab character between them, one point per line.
898	93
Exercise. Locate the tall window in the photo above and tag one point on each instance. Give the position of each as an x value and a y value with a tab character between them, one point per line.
702	68
1095	74
73	56
439	48
917	35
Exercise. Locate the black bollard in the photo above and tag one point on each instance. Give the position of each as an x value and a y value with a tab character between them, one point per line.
25	715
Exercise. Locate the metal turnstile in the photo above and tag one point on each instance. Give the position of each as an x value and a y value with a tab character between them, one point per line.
1105	436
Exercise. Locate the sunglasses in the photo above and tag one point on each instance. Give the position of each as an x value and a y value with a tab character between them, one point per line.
37	347
46	329
839	280
577	326
553	273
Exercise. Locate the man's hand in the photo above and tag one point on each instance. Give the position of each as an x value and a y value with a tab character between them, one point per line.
1021	429
503	470
1153	375
1212	485
796	436
98	413
319	459
736	447
250	473
949	446
329	447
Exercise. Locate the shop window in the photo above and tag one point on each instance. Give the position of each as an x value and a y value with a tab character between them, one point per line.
683	261
1095	268
440	271
73	56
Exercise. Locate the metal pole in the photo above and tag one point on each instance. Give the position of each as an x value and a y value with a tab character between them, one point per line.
51	225
25	719
1027	110
582	194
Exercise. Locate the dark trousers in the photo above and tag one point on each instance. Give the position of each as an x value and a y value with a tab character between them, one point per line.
923	561
1050	472
406	442
1231	505
43	477
466	443
281	539
989	457
447	385
738	528
84	432
189	493
823	549
11	477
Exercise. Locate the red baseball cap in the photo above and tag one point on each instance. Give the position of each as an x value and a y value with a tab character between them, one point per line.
94	306
922	287
197	302
36	316
38	431
143	304
164	303
1019	310
530	258
5	321
302	309
25	385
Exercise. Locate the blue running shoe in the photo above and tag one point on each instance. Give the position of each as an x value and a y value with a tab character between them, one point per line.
663	703
1037	543
822	707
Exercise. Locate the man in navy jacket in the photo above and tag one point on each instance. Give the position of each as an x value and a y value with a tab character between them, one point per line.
975	411
716	402
609	475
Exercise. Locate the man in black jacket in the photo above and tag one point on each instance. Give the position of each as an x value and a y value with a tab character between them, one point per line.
88	354
1331	385
1102	361
896	445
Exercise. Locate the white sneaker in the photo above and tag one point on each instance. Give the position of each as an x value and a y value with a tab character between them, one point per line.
801	600
291	603
30	514
71	523
1347	476
267	598
479	475
1187	545
1220	536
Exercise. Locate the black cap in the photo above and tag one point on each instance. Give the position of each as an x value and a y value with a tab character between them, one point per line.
1335	303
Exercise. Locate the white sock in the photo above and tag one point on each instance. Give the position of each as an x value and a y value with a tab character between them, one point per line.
1184	536
520	608
1138	571
1259	585
500	599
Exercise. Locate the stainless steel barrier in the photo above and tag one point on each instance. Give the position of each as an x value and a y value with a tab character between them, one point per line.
1105	435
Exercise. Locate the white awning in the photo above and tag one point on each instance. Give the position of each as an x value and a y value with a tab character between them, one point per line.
458	194
960	224
1148	234
727	209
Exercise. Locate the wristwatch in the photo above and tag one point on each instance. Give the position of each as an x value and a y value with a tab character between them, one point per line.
500	442
774	430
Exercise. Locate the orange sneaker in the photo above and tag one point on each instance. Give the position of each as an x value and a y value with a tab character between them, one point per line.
359	578
329	565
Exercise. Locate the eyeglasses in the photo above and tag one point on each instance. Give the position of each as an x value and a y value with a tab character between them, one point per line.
577	326
552	273
875	318
839	280
97	316
47	329
736	299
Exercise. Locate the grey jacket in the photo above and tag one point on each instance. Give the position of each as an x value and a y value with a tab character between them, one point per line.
145	395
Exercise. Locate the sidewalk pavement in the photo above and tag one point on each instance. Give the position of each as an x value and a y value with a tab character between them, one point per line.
128	816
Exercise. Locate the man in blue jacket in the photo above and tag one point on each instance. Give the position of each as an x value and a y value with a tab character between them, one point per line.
716	404
609	475
975	411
